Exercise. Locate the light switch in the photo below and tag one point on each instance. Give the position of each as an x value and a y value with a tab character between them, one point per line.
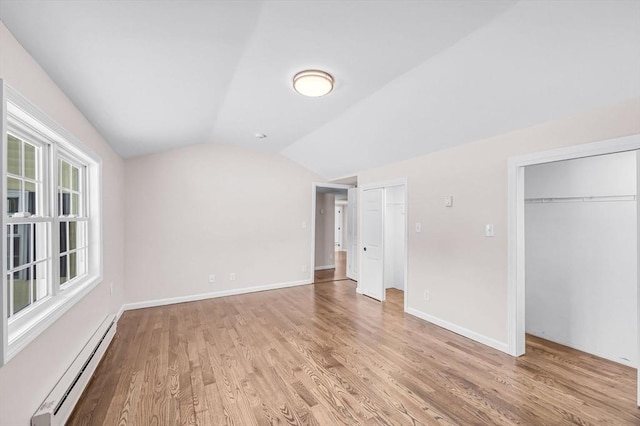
448	201
418	227
488	230
304	225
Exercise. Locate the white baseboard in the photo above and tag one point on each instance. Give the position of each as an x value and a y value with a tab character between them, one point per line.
203	296
480	338
322	268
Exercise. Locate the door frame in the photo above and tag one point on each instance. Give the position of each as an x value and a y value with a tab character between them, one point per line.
352	218
516	235
383	185
314	190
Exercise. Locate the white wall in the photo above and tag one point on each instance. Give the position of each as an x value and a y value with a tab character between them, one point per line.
214	209
465	272
394	237
581	271
27	379
325	231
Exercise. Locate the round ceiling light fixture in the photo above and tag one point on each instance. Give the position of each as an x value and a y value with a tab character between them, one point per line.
313	83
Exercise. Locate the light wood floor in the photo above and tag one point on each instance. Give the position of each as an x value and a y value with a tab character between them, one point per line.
335	274
323	355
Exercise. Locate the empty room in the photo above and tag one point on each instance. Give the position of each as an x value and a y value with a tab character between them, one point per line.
318	212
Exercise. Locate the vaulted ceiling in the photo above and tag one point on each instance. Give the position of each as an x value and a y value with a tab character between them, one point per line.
411	76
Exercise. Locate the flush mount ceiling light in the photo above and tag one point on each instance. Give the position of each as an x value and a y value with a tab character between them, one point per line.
313	83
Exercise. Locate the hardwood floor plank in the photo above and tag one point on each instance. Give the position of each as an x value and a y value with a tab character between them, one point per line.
323	355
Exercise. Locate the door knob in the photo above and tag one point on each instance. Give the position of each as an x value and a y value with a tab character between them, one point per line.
365	249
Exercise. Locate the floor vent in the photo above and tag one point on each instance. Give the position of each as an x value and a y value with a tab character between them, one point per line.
57	407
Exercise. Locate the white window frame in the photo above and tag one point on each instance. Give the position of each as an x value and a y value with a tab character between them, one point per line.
16	333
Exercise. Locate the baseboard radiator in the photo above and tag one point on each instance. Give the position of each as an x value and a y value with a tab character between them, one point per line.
57	407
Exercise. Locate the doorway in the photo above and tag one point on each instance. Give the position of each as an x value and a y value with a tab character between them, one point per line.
580	254
330	232
517	222
383	245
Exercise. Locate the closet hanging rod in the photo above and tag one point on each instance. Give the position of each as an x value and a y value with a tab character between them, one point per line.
594	198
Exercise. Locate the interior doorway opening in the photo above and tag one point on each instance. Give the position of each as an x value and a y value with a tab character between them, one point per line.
581	254
383	243
331	235
517	227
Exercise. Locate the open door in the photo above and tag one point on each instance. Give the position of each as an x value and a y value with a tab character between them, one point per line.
372	273
352	234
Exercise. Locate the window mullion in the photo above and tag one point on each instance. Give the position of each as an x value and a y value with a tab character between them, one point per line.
10	267
55	226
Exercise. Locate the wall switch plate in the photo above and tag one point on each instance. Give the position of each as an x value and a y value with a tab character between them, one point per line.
488	230
304	224
212	278
418	227
448	201
232	276
426	295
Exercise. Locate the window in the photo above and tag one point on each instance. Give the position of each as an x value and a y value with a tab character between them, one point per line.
27	260
73	221
51	220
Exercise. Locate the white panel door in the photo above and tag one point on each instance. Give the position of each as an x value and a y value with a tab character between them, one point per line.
352	234
372	274
338	226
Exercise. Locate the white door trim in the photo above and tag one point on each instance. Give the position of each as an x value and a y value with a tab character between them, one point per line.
312	225
353	231
638	302
386	184
515	206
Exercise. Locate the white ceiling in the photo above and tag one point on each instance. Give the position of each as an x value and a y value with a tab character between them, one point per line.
411	76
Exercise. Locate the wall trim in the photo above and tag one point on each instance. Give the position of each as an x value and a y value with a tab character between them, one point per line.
213	295
465	332
322	268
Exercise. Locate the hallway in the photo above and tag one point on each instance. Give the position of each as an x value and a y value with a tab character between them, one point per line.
336	274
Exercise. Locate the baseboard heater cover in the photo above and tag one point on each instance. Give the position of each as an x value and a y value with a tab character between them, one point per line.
57	407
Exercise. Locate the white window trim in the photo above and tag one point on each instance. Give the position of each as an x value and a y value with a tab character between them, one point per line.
54	306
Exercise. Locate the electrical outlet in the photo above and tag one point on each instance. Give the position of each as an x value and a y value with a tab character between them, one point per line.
331	256
212	278
304	225
232	276
418	227
426	295
304	268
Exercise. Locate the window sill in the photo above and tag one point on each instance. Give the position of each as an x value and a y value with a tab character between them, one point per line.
20	337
